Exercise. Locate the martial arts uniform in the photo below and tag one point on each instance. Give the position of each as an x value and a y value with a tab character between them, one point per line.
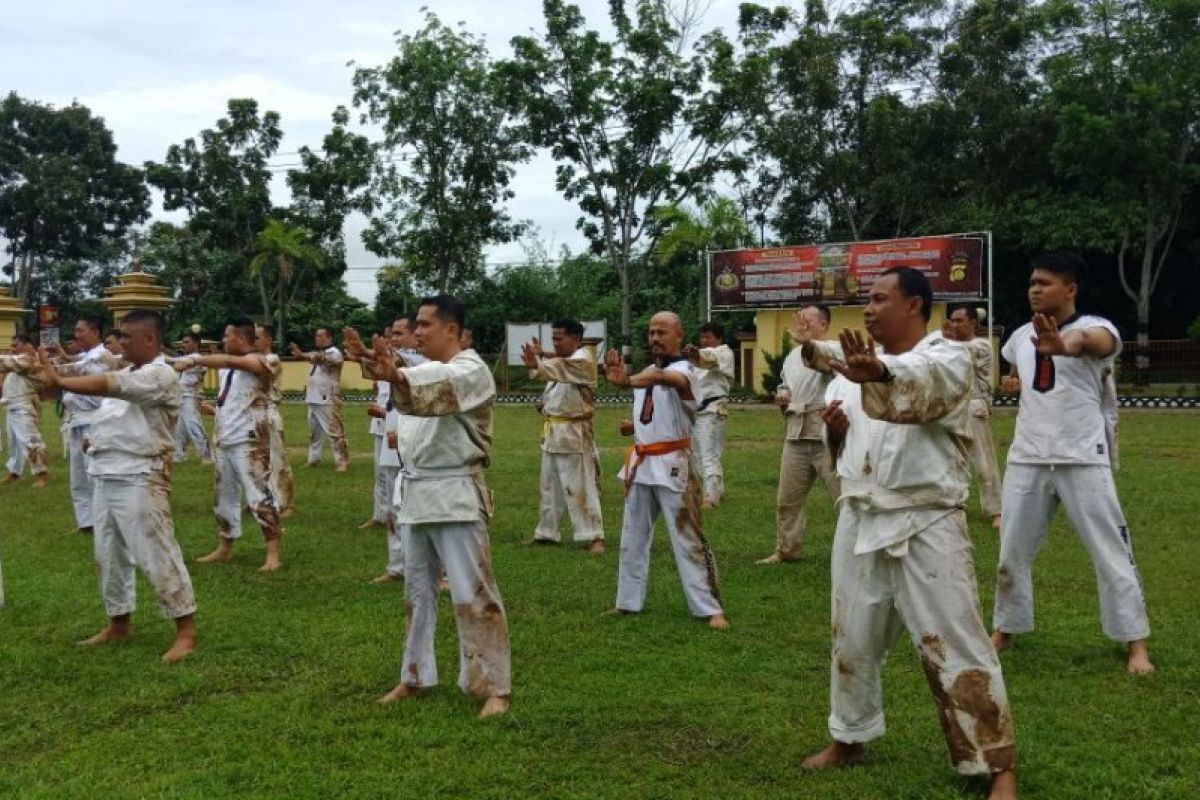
443	509
570	479
243	438
983	449
130	450
660	478
190	428
902	557
323	395
804	457
382	494
25	444
1061	453
388	463
716	378
283	485
80	409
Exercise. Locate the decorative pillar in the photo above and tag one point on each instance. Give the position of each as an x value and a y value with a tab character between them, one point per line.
136	290
11	313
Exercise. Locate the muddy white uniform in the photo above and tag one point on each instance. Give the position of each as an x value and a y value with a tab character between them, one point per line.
243	438
283	486
804	457
716	366
130	453
1061	453
388	463
190	428
570	478
384	484
983	449
660	479
80	409
443	507
902	558
323	395
25	444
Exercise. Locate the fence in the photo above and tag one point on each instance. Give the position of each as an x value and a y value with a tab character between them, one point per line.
1162	361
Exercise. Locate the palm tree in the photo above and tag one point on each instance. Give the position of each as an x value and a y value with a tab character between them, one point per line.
282	253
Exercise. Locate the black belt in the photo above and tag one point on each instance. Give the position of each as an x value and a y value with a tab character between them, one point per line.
708	401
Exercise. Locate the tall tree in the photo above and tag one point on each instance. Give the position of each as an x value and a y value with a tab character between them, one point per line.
446	159
63	193
285	259
328	186
636	122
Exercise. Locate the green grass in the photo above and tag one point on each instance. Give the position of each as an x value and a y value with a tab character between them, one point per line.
277	702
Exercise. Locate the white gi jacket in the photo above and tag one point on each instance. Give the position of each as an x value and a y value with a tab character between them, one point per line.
133	431
716	377
568	402
20	389
324	377
806	387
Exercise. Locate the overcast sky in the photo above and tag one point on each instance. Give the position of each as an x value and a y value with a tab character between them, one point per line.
160	72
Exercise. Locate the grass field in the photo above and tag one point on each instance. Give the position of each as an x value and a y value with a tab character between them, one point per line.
278	700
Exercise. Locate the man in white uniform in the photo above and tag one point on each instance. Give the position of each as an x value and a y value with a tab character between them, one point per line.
93	359
960	326
283	482
22	398
243	439
660	477
381	508
190	427
897	426
1062	366
130	448
801	397
444	504
570	478
715	361
323	395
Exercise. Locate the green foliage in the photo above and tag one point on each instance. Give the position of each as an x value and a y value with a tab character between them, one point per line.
774	373
285	259
64	196
446	159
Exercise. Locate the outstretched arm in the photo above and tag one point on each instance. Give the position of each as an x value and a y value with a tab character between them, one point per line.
248	363
1095	342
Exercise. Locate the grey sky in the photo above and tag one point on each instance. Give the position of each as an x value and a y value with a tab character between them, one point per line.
160	72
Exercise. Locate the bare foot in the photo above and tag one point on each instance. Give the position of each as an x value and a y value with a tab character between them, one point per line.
341	468
1001	641
12	477
996	522
1004	786
494	706
224	552
388	577
402	692
274	557
618	612
113	632
182	648
287	513
718	622
371	523
706	503
775	558
1139	659
597	548
40	482
838	754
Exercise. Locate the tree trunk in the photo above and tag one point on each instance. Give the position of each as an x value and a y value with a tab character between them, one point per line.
1142	362
626	307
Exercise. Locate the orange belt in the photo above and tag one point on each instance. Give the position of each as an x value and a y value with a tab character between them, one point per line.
652	449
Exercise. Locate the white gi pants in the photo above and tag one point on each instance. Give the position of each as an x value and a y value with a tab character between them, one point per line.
570	482
982	454
383	489
1031	495
245	467
708	439
931	591
134	528
325	422
81	482
25	444
190	428
693	557
484	664
800	464
282	482
395	564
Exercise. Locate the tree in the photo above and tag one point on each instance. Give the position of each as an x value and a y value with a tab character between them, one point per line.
446	158
687	237
327	187
635	122
284	254
63	193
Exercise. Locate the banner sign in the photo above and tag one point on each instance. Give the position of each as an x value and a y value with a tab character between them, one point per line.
842	274
48	326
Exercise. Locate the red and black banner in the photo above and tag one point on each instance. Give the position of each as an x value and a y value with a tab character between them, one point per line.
842	274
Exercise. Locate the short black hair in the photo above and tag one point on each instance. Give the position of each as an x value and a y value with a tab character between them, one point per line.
449	309
715	328
406	319
195	337
144	316
328	330
268	329
244	326
1067	265
822	310
570	326
114	332
913	283
93	322
972	310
